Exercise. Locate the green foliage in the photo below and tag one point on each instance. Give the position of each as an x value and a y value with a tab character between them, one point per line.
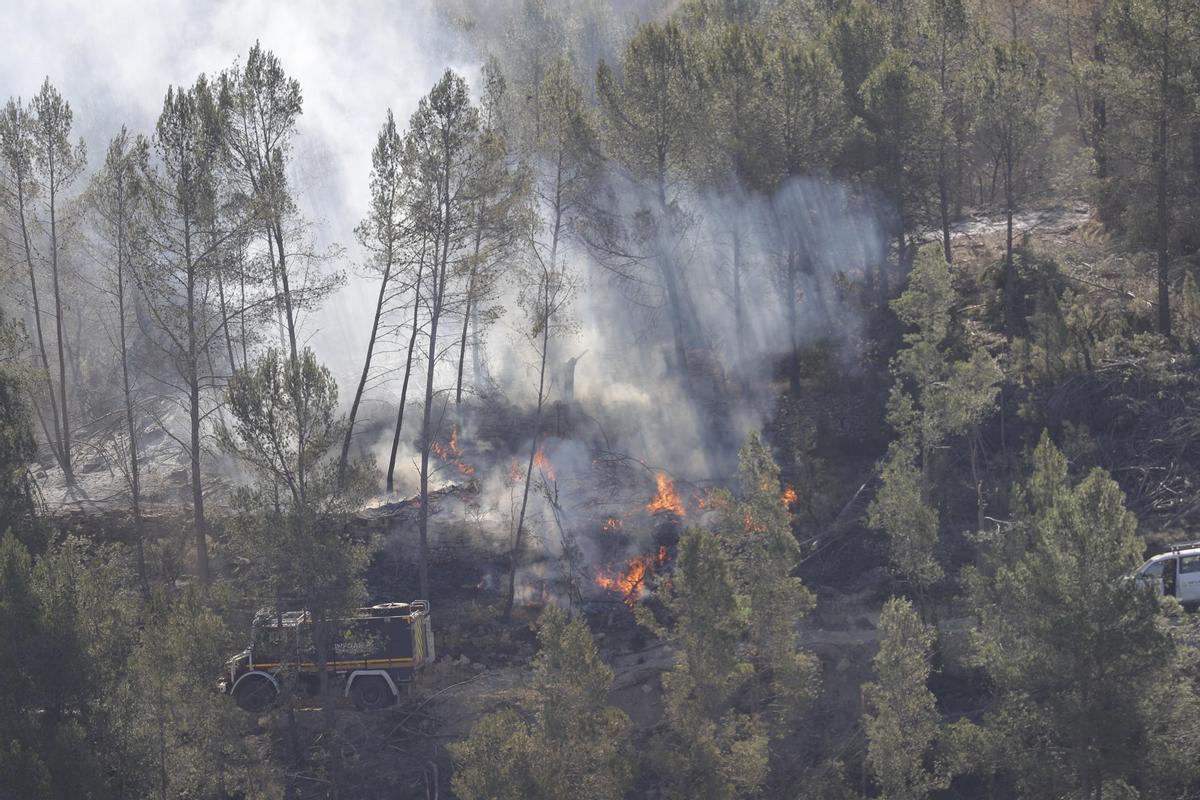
563	741
187	740
650	114
903	724
903	109
1150	80
936	396
708	748
17	449
1092	687
858	39
755	530
291	524
808	122
1014	107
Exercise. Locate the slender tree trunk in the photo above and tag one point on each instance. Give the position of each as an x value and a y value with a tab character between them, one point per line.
276	229
408	360
462	346
366	370
56	442
438	296
426	442
793	322
193	380
472	302
68	472
518	537
1010	273
1162	209
322	641
739	312
944	204
135	487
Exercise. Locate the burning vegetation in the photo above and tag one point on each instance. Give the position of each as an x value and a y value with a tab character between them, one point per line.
629	582
452	453
666	499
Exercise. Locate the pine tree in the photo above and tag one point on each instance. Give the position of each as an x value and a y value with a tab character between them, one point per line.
755	529
1151	104
1014	105
903	724
1093	693
936	396
708	749
568	742
903	110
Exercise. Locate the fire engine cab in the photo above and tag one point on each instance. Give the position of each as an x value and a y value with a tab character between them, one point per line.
374	651
1175	573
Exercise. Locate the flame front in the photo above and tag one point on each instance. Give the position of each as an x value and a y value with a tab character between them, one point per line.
543	463
666	498
789	497
452	453
631	583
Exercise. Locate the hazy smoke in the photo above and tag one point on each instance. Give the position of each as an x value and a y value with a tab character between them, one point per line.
113	61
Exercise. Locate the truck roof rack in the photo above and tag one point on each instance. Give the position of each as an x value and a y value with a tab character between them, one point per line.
1175	548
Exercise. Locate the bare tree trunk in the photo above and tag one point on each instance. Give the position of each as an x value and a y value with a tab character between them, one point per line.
438	296
462	345
518	536
472	302
1010	273
408	360
193	379
301	403
135	487
321	641
793	331
366	370
56	442
68	472
427	441
1162	210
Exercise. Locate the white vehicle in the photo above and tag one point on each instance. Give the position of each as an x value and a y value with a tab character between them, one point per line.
1175	573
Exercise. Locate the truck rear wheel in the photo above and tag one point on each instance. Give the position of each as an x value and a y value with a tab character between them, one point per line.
255	694
371	692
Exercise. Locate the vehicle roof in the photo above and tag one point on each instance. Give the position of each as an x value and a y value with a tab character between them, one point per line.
1174	552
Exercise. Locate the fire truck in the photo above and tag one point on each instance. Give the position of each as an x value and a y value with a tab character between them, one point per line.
371	653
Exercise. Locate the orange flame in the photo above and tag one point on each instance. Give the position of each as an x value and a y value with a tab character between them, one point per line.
789	496
613	524
631	583
666	499
452	453
514	472
543	463
662	555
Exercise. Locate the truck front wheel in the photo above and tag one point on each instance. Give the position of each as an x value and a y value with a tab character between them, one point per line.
371	692
255	693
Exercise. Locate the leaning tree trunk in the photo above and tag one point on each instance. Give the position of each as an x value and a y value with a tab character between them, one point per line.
408	360
366	370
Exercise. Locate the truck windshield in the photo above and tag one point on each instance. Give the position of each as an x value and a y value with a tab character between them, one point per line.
270	644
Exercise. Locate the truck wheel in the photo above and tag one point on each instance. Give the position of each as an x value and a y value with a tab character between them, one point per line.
371	692
255	694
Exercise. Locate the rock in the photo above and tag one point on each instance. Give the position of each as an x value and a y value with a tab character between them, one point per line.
647	688
478	667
